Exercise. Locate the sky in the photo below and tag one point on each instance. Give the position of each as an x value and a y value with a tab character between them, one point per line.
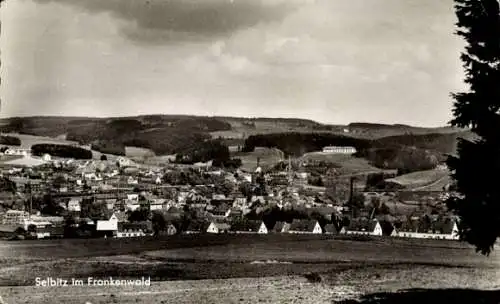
333	61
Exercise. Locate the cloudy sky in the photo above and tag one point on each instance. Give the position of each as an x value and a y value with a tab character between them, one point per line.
334	61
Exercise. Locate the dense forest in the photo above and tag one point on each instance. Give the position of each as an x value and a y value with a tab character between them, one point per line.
61	151
406	153
162	134
109	147
203	152
296	144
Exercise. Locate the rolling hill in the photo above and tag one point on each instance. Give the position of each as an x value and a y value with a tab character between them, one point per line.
170	134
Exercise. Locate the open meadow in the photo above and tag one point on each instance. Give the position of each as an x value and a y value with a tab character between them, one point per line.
28	140
239	268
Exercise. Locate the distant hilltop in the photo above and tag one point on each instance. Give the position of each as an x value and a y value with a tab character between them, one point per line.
170	134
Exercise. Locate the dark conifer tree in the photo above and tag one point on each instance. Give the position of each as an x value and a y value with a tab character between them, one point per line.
477	201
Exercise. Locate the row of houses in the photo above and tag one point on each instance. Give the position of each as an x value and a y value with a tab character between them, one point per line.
447	230
115	226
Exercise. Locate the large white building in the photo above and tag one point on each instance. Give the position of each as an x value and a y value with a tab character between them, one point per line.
339	150
108	225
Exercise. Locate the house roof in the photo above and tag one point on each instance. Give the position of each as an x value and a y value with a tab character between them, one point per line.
442	225
249	225
221	226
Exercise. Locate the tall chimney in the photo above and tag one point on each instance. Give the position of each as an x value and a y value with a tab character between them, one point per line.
351	190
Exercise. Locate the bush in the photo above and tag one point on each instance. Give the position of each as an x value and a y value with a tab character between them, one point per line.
61	151
10	140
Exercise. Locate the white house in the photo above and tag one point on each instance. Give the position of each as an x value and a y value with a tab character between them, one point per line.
46	157
133	230
363	227
74	205
132	205
133	197
110	224
249	227
132	181
110	204
123	161
339	150
157	204
440	229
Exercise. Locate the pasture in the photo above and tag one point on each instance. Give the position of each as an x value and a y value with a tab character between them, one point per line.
348	164
134	152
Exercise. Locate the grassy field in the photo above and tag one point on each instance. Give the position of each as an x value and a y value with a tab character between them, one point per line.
28	140
348	164
189	257
138	152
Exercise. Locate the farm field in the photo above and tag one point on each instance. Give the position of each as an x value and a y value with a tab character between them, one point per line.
246	269
138	152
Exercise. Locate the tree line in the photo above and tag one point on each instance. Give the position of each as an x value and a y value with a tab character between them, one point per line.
61	151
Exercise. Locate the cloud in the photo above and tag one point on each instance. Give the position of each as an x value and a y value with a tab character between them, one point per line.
331	60
160	21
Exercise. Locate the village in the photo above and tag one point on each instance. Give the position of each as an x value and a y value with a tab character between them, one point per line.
46	197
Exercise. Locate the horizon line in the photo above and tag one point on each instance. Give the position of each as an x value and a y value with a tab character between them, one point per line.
228	116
